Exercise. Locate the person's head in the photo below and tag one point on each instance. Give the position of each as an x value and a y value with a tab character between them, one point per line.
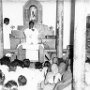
38	65
6	21
11	85
55	60
31	24
19	63
47	64
22	80
54	68
26	63
12	66
32	64
5	60
62	67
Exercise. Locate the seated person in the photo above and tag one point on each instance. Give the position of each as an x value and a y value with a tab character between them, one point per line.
22	81
38	76
33	76
10	85
65	83
31	43
12	66
31	35
55	75
51	78
46	68
12	75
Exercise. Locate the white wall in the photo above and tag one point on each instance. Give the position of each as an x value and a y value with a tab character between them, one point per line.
88	8
14	10
67	19
49	13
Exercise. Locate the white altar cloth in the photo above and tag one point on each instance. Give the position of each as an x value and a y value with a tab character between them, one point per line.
31	51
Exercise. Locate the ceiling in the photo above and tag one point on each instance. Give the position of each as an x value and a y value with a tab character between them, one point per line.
27	0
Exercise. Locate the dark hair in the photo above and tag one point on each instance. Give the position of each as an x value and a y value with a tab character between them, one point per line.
38	65
19	63
46	64
5	60
10	83
88	60
26	62
22	80
6	20
13	64
31	22
16	62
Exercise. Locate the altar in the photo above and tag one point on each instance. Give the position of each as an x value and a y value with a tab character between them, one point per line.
31	51
32	10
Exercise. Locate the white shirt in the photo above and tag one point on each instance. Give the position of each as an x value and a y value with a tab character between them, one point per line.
19	70
87	78
6	32
4	69
44	70
87	73
12	75
31	36
29	75
53	78
34	79
57	78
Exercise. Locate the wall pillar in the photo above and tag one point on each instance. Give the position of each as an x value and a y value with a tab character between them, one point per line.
59	28
79	45
1	30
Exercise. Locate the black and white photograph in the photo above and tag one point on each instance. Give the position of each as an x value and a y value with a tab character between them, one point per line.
44	44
